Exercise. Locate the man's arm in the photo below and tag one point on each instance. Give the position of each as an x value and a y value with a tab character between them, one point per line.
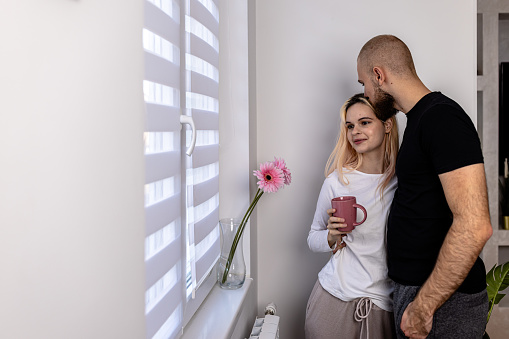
466	194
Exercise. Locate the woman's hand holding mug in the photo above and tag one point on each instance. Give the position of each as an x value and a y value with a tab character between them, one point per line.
343	219
335	226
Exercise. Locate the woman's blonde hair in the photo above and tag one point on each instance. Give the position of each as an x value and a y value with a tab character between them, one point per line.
344	155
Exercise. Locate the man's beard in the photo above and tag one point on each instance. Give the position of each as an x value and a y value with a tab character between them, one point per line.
383	104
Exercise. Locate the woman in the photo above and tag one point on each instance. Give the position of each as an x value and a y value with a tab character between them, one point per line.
352	297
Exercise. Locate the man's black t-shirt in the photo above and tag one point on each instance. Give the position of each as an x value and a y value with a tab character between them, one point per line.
439	137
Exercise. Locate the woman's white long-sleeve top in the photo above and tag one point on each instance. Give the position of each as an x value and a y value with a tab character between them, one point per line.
359	269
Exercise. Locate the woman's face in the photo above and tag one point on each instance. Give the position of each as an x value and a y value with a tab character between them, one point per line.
365	132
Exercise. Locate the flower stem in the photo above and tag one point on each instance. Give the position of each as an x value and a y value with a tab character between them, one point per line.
239	232
242	226
246	218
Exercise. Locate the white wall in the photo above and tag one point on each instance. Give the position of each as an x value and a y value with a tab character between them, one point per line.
305	68
235	173
71	197
234	113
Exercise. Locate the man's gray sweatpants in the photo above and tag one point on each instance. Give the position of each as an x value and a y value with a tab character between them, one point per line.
462	316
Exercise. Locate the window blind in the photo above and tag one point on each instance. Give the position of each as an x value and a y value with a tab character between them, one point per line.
202	168
164	259
181	51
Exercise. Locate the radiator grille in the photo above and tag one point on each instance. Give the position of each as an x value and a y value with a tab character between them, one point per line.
266	328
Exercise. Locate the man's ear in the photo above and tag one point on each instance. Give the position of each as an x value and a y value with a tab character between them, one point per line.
379	75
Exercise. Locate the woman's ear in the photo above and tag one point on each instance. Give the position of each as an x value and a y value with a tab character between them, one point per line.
388	125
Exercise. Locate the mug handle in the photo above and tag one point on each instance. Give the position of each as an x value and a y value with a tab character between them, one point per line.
365	214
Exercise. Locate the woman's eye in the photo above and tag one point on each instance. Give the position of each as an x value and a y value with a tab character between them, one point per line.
349	126
364	122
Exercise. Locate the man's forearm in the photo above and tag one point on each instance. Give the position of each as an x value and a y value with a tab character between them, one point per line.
458	254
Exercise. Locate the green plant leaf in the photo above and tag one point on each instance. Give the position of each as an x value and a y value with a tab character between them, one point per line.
497	280
499	297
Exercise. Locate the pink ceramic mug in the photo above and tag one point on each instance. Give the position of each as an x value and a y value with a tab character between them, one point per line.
346	208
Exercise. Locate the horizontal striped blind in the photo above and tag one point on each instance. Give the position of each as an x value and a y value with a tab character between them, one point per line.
181	77
202	174
164	255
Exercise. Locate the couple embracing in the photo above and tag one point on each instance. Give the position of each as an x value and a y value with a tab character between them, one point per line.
412	269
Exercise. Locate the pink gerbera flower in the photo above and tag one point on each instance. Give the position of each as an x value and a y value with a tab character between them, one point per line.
271	178
280	163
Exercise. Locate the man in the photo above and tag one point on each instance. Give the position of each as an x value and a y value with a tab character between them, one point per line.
439	219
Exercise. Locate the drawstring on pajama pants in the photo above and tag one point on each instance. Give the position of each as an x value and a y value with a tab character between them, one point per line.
362	310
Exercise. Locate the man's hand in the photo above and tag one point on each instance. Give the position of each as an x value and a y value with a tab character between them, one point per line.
414	324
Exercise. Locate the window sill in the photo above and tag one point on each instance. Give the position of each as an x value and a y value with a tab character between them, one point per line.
217	316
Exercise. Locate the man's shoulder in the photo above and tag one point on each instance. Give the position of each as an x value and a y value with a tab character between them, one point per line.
443	110
439	102
432	106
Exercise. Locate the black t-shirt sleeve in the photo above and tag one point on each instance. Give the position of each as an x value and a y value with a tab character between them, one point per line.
449	138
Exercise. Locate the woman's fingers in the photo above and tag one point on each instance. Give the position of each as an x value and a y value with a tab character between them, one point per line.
336	225
336	220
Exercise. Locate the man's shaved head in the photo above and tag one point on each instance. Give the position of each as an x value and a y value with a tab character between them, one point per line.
389	52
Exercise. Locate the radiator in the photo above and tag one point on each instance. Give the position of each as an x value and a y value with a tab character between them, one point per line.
268	326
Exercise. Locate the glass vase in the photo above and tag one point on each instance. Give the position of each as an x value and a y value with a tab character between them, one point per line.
236	275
